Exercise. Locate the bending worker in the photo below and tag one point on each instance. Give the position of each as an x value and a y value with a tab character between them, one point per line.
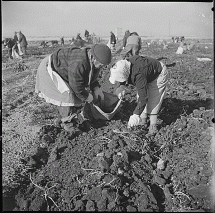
63	77
150	77
132	45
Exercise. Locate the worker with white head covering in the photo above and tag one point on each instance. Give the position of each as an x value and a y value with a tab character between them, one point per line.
150	77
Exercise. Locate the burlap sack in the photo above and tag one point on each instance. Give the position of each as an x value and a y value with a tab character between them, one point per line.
106	111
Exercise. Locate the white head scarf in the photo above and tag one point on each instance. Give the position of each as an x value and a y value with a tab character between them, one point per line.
120	71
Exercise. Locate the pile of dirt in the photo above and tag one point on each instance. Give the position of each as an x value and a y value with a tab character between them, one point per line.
111	168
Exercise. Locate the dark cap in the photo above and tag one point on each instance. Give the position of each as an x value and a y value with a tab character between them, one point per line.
102	53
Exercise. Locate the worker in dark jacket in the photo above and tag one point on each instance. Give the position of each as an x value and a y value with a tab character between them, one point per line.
62	41
86	34
15	49
112	40
22	43
9	43
150	77
15	37
124	41
62	78
12	48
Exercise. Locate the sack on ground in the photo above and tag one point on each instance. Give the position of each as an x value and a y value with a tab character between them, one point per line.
103	111
180	50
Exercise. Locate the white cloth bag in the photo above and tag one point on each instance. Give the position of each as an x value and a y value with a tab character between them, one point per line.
180	50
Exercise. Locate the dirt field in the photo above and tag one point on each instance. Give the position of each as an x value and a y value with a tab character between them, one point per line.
106	167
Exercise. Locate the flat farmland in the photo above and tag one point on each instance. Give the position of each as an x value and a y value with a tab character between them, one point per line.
105	166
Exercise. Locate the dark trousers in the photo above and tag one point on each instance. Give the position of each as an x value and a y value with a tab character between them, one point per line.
10	53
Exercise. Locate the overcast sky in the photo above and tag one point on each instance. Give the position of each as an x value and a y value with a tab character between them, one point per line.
68	18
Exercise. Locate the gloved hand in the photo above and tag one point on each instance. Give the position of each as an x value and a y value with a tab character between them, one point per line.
97	92
120	92
89	98
133	120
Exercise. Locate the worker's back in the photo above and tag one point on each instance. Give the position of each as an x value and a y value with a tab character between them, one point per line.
134	39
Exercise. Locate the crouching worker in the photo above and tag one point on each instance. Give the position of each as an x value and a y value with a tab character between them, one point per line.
64	76
150	77
133	46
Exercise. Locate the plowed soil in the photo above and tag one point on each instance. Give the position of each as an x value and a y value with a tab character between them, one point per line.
103	166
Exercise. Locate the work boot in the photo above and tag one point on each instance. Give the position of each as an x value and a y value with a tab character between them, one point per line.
153	129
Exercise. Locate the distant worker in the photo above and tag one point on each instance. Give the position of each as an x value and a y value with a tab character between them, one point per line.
176	39
124	40
98	39
173	39
132	47
15	38
94	39
86	34
22	43
182	38
112	40
62	41
15	47
12	48
78	37
43	44
63	76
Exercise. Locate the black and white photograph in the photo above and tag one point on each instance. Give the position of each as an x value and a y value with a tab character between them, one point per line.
108	106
